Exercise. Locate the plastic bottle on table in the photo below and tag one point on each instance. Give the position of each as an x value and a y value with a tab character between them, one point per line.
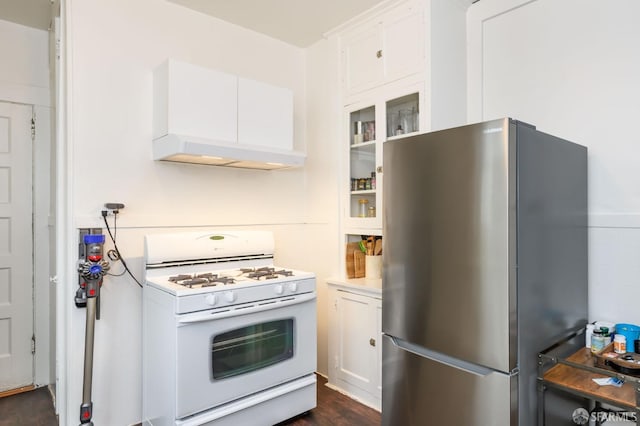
587	335
620	344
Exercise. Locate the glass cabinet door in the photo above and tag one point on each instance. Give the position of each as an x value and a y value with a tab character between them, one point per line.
394	114
403	115
362	163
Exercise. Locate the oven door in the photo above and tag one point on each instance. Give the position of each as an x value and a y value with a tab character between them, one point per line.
223	355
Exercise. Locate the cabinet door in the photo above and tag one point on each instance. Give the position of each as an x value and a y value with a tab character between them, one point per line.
361	57
357	341
368	125
195	101
362	152
377	306
265	115
403	50
384	49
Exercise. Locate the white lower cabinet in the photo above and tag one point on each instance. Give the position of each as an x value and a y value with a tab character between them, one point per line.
355	342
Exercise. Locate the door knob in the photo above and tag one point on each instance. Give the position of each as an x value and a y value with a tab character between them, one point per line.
379	54
372	342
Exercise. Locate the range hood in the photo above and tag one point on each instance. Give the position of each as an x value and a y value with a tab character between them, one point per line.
188	149
206	116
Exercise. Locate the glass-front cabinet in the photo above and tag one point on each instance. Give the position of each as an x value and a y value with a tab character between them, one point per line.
363	161
369	125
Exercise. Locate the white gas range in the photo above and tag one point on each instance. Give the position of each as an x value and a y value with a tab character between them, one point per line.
228	338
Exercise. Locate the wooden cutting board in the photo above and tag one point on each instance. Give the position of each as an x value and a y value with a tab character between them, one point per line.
350	259
377	251
359	264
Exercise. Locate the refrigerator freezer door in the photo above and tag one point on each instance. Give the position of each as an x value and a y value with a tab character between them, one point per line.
419	391
449	274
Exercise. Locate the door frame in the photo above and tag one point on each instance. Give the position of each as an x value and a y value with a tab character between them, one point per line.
43	237
39	99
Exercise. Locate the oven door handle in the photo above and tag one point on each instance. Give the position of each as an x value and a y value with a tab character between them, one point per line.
266	305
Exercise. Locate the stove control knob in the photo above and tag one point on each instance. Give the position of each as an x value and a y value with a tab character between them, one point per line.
293	287
278	288
230	296
211	299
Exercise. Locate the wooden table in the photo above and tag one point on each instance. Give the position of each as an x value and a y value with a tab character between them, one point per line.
575	374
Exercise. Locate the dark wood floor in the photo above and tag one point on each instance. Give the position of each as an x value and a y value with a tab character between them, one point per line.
335	409
29	408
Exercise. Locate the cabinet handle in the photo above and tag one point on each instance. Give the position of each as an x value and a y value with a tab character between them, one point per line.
372	342
379	54
379	169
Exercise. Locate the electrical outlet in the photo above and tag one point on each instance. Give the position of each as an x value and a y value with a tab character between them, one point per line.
111	209
114	206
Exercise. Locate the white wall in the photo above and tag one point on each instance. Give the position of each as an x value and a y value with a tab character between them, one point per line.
114	46
571	68
323	145
446	53
24	74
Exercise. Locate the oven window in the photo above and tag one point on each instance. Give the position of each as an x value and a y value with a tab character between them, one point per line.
252	347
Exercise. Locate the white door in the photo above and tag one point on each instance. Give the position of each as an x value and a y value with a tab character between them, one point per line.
16	276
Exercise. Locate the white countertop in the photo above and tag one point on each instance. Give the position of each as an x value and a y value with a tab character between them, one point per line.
363	285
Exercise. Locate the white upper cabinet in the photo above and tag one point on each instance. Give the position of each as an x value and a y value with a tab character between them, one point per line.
265	115
403	43
195	101
383	49
362	59
205	116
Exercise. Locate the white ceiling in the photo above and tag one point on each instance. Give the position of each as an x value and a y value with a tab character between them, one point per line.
31	13
297	22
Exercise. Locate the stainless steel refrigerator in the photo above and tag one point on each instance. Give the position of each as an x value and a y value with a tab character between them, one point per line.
484	265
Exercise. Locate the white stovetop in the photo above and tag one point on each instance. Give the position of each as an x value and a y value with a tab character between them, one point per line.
162	282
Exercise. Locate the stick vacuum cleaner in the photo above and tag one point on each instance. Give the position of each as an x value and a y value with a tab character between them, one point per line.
91	269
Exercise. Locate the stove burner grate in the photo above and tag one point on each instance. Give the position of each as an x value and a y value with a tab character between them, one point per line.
210	279
267	273
204	280
193	281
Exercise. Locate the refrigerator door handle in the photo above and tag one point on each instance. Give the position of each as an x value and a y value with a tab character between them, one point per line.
478	370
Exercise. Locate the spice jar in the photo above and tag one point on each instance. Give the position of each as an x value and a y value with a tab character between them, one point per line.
357	133
362	212
362	184
371	212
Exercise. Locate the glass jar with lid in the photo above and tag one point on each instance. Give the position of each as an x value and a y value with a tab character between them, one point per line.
363	203
597	341
371	212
